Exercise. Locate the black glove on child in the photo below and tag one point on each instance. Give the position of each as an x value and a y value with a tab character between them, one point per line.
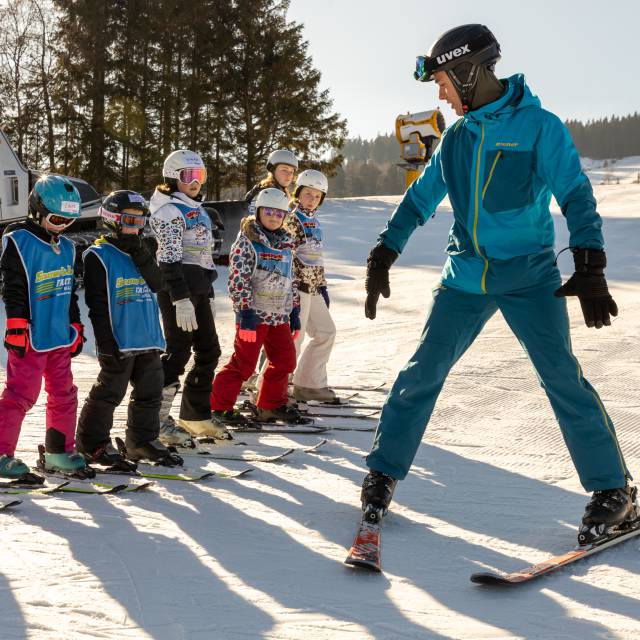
589	284
377	282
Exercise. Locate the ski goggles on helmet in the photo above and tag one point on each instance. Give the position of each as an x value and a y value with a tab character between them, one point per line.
58	220
424	68
273	213
195	174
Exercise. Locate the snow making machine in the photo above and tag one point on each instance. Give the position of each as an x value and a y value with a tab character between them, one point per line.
418	135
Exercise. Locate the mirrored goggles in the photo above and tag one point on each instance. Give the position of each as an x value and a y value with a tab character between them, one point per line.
132	220
58	221
423	70
274	213
189	176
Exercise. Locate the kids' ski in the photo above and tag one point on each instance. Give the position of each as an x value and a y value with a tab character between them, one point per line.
556	562
378	387
15	489
349	416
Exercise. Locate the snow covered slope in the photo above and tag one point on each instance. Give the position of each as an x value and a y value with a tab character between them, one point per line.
261	557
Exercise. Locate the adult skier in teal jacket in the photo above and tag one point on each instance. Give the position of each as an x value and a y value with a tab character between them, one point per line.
500	163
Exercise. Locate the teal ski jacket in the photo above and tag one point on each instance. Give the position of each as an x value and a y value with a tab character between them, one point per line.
500	165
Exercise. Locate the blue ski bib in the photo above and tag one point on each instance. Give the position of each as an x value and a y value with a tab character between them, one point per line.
133	309
50	281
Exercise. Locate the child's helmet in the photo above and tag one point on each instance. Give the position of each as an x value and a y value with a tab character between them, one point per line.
273	199
281	156
54	195
111	210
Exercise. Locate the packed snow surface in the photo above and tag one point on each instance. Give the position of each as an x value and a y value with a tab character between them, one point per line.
261	557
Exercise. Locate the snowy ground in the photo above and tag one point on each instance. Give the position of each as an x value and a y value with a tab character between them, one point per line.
261	557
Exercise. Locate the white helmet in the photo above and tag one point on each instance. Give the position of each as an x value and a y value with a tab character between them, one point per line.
181	159
314	179
273	199
281	156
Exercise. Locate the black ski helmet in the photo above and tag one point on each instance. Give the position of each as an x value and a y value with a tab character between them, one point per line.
460	52
116	202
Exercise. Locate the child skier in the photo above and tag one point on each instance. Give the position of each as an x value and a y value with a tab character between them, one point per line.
303	225
43	329
185	241
281	168
119	273
266	303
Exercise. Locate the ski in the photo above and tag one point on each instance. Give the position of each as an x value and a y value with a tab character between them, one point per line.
15	489
131	488
344	416
378	387
275	427
247	453
182	477
555	562
306	406
9	505
365	549
102	490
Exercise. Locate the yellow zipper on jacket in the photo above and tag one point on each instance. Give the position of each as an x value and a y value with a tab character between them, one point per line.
493	167
476	213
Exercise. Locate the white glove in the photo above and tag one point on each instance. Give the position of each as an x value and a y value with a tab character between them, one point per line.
185	315
212	304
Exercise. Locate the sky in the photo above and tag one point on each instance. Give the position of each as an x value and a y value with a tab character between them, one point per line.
580	57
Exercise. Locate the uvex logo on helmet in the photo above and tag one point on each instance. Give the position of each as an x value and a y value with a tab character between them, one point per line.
455	53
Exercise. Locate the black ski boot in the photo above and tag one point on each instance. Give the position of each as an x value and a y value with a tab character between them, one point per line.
286	413
108	457
153	451
230	418
608	512
377	491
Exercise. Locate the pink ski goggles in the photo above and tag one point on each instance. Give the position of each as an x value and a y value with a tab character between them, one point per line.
196	174
271	213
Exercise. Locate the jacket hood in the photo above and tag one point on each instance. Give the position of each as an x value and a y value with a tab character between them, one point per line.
159	199
517	96
277	239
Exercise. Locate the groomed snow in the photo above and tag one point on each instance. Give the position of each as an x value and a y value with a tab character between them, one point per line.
261	557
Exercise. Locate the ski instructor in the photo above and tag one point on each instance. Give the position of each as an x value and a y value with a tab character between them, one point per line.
500	163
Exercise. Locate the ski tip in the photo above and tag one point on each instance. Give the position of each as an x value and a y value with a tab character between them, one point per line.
489	578
363	564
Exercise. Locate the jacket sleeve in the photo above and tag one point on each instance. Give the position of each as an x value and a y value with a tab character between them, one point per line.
559	166
242	262
15	290
418	204
169	230
96	297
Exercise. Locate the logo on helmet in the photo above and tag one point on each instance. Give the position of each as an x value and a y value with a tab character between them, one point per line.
455	53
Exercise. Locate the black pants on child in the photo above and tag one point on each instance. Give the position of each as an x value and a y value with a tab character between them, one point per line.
206	352
144	371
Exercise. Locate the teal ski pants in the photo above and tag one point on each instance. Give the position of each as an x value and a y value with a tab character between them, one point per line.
541	323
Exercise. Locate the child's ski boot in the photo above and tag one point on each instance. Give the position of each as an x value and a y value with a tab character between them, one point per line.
152	451
17	471
110	459
288	414
71	464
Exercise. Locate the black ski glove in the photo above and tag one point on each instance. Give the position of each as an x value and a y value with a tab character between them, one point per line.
589	284
377	282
